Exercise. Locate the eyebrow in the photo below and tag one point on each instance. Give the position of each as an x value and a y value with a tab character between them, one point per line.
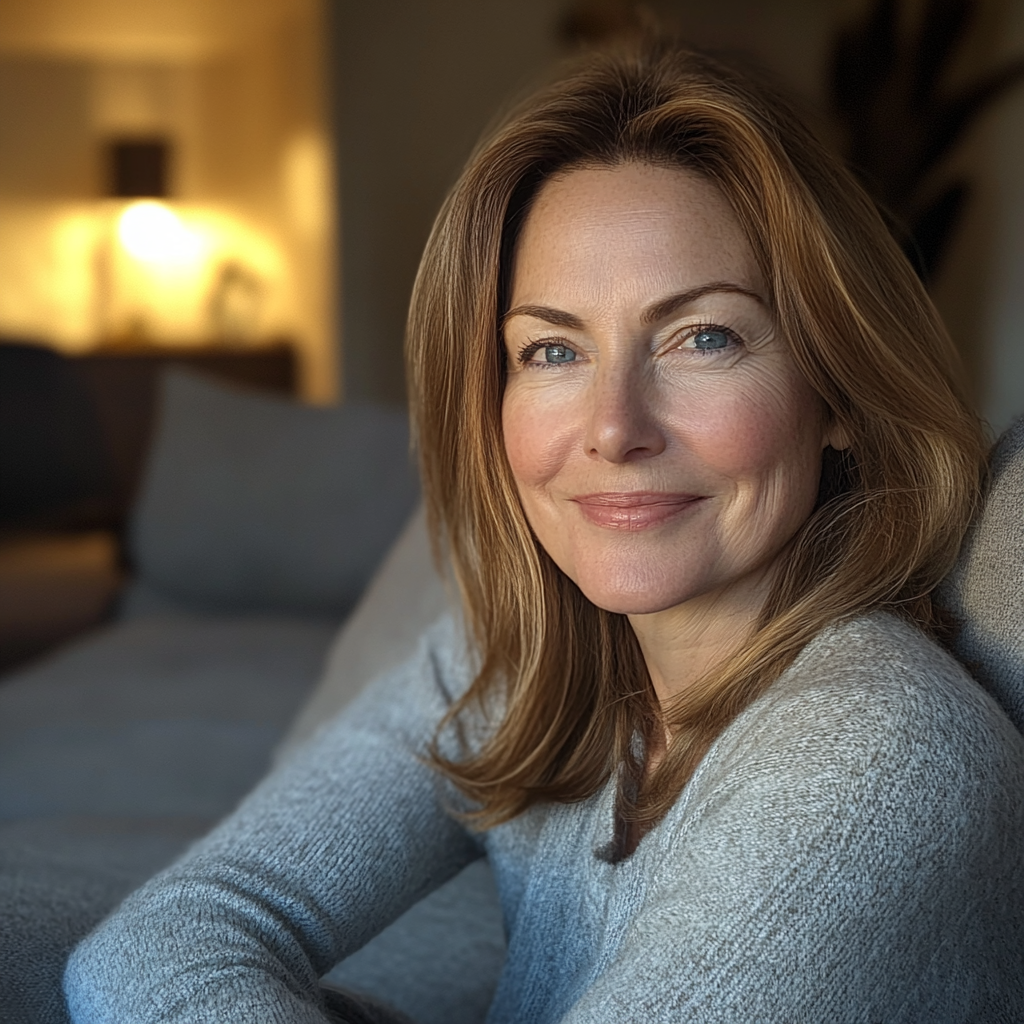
651	315
548	314
666	307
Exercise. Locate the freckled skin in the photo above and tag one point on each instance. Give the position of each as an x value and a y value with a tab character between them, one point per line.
702	401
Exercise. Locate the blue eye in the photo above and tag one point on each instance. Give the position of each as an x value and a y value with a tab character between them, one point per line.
711	341
558	354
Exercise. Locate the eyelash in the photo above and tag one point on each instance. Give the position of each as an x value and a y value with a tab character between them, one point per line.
527	352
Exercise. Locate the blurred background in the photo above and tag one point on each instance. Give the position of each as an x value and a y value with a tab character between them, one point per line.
166	177
245	186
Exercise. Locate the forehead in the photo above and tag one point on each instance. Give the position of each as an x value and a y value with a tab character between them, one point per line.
598	227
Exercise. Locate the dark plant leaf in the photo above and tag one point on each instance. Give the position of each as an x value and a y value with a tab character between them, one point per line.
933	230
948	121
943	24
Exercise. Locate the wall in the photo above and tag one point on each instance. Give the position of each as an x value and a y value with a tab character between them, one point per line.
415	85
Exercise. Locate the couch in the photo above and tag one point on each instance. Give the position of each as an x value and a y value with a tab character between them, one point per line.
118	751
258	525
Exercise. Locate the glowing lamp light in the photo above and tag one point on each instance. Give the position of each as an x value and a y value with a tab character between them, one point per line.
153	233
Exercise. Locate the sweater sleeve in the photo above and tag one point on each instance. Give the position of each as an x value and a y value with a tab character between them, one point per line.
324	854
846	862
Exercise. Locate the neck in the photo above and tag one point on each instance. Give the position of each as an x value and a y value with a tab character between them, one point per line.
683	643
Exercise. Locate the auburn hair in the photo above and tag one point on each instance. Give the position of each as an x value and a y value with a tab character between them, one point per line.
568	677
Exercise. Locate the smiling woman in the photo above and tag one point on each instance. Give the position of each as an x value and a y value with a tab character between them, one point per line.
691	435
672	411
706	329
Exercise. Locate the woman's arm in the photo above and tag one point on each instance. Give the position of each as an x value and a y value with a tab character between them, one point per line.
323	855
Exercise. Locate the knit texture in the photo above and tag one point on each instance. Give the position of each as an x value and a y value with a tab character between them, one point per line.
849	850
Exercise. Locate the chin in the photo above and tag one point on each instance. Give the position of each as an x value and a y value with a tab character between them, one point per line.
631	605
634	593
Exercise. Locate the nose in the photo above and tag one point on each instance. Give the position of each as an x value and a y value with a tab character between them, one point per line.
623	424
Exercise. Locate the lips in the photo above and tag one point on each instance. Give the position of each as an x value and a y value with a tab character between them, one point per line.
634	510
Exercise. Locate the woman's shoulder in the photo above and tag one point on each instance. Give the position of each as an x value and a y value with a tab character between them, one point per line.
875	708
861	820
884	672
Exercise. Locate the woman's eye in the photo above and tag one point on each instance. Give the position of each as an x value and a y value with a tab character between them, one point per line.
549	353
710	339
558	354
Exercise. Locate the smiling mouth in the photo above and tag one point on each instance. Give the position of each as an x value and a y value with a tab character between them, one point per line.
634	510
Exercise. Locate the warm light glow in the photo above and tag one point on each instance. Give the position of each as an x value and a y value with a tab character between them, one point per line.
153	233
307	183
193	271
47	271
78	273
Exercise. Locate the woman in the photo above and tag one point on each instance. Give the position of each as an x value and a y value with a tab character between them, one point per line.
691	435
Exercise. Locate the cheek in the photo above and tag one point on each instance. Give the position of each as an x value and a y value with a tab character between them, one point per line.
766	429
538	438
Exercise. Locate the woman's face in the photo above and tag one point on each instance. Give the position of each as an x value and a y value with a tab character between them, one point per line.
664	444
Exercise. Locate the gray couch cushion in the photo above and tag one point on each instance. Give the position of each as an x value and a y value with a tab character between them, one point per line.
985	592
439	963
114	754
252	502
167	715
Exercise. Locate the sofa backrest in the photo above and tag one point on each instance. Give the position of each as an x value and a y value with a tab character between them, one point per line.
985	591
253	503
406	596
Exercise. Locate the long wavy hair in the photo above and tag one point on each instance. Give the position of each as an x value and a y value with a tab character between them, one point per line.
568	677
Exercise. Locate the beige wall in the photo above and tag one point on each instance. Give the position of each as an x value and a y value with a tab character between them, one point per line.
46	143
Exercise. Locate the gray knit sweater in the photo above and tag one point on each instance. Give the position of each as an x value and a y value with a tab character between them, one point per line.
851	849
